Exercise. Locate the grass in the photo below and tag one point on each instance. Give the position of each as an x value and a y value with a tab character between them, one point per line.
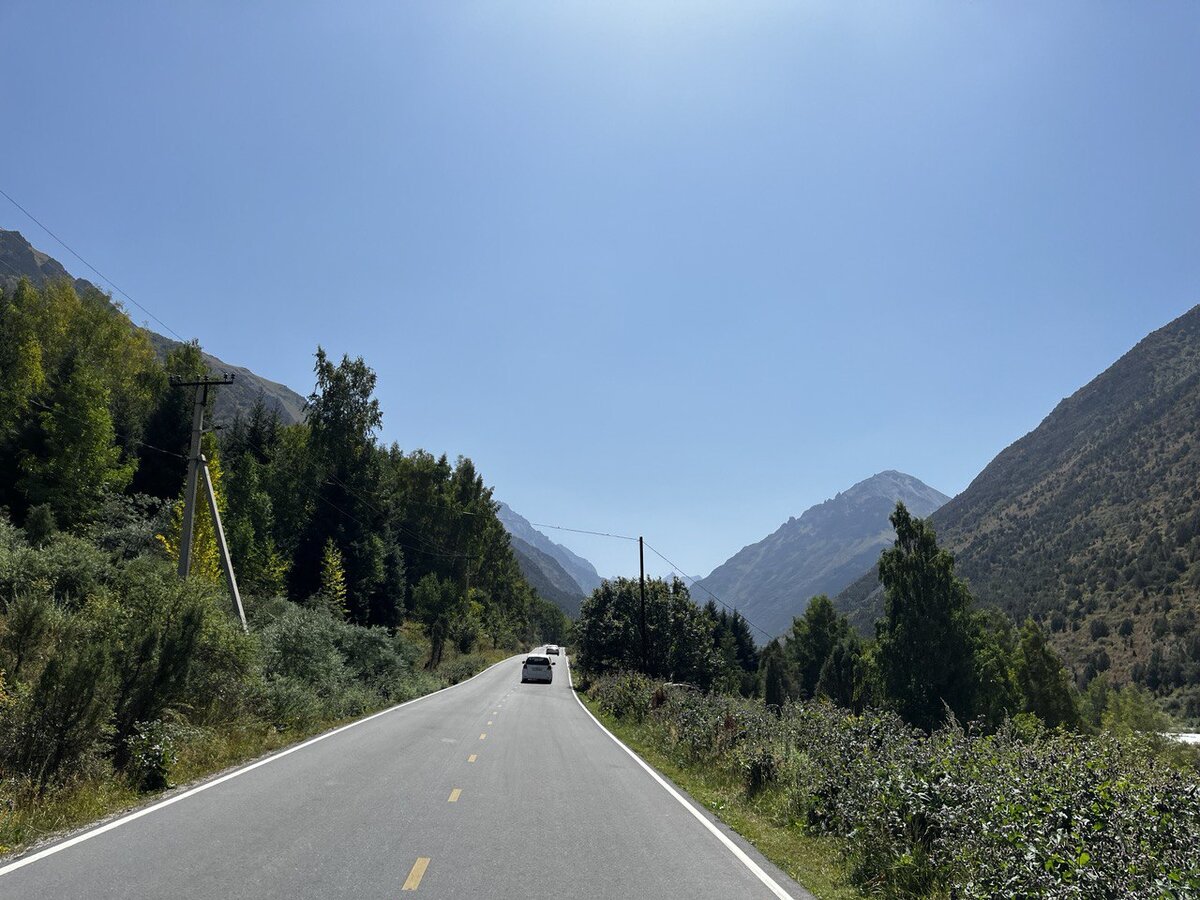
812	861
27	818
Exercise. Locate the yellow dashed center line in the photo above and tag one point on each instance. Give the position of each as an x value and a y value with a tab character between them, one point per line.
482	736
413	881
489	721
454	795
471	758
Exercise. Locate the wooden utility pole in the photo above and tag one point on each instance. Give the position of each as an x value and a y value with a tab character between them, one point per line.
197	465
642	585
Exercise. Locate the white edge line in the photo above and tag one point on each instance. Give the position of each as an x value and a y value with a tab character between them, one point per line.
771	884
117	823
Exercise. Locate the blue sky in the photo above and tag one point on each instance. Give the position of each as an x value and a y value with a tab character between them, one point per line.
678	269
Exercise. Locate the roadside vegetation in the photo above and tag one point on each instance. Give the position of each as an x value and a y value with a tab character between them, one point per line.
952	755
369	575
1023	811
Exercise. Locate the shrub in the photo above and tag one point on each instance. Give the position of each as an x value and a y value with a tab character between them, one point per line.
626	695
53	724
151	753
290	705
1022	812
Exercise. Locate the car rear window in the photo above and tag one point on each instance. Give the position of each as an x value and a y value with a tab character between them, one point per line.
537	661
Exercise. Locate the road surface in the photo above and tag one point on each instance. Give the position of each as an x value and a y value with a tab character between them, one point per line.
490	789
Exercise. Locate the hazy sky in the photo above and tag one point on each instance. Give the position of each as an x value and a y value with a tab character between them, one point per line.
678	269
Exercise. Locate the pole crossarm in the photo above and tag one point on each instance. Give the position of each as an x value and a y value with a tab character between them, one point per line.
207	381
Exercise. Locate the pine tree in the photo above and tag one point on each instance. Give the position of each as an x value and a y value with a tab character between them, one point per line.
925	639
775	689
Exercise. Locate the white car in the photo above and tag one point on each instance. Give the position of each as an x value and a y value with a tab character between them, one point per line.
537	668
552	649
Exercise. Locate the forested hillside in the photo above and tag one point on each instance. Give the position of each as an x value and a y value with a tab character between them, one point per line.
362	566
1091	522
20	259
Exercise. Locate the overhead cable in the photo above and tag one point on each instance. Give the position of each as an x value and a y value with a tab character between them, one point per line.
98	273
696	583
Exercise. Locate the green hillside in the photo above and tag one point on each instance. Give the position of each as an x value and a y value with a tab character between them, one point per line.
1091	522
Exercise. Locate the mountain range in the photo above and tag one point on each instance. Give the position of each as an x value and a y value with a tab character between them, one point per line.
19	258
1091	522
557	573
821	552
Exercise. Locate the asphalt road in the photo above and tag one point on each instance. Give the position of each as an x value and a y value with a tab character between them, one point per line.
490	789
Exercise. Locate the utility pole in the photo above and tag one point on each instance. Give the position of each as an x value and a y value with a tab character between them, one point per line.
189	495
197	465
642	584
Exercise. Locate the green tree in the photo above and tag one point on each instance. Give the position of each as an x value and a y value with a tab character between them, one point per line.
608	632
1044	683
997	695
343	416
75	460
926	648
333	581
842	678
812	639
1133	708
76	383
438	603
169	425
775	681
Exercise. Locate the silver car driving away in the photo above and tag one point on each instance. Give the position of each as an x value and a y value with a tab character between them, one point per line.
537	668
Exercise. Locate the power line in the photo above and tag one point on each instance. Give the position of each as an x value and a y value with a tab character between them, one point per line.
623	537
696	583
99	274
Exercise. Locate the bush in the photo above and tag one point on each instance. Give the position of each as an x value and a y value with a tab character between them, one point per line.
291	705
626	695
348	669
51	725
151	753
1022	812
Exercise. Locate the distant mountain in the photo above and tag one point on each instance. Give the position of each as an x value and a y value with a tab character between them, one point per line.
20	258
1091	522
821	552
582	572
547	577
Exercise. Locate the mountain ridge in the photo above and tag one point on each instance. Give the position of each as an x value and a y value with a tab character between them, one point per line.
819	552
1091	521
582	572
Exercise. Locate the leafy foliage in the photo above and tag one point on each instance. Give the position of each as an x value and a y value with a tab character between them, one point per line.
1023	812
682	642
